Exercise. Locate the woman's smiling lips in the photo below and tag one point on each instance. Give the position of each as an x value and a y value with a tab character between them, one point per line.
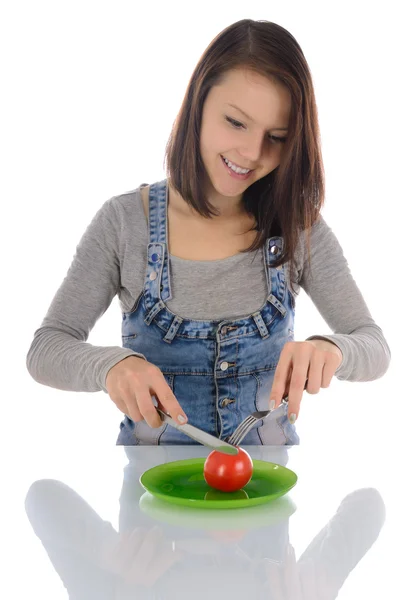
239	176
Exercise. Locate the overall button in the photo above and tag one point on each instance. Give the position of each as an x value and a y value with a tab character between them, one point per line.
224	366
224	330
153	276
155	257
227	401
274	250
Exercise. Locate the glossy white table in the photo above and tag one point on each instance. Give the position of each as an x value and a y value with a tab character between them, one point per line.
88	526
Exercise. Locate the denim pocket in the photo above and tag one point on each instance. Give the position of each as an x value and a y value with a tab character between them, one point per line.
126	338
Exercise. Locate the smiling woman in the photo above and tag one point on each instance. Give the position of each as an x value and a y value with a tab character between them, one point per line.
249	150
250	103
205	263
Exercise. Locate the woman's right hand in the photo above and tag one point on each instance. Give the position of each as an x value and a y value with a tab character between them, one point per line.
132	382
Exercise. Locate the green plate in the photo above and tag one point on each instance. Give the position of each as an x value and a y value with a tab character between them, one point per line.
182	482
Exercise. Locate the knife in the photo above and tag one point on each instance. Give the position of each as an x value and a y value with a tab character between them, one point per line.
199	435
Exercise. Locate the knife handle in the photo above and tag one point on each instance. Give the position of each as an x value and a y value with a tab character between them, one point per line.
165	417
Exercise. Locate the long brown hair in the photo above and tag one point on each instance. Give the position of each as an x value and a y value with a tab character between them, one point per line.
289	199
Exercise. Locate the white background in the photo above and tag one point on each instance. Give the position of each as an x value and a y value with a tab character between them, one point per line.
89	94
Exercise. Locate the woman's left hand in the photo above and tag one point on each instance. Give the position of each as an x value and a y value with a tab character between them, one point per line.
312	360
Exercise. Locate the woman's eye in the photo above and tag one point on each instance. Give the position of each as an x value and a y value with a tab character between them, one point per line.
237	125
274	138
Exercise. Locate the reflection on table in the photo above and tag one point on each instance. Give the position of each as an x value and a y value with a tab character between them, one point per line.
167	551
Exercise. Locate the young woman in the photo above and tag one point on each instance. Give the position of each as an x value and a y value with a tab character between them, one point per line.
208	262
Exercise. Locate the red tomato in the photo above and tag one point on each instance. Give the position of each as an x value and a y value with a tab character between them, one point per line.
227	472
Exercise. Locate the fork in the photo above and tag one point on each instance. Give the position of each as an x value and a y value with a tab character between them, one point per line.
248	423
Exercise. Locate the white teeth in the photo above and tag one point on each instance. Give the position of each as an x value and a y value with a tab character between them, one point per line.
235	168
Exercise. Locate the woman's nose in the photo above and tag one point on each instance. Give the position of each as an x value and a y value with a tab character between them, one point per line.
251	151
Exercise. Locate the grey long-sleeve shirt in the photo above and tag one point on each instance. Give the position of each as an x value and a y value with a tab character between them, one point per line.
110	260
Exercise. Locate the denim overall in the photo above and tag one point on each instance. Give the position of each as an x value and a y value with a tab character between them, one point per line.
220	371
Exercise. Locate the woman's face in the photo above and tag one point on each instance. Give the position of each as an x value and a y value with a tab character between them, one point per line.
252	142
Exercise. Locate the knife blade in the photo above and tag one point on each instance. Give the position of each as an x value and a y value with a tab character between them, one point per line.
199	435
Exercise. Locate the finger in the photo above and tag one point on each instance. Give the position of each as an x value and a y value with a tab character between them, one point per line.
295	394
120	404
315	372
273	572
281	374
165	559
148	409
285	397
287	385
129	544
168	402
330	367
145	555
135	541
292	575
132	408
126	402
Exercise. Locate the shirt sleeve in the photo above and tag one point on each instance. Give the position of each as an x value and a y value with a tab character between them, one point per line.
59	356
331	287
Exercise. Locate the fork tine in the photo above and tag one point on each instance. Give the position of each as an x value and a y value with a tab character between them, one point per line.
242	427
241	434
246	425
234	437
235	441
